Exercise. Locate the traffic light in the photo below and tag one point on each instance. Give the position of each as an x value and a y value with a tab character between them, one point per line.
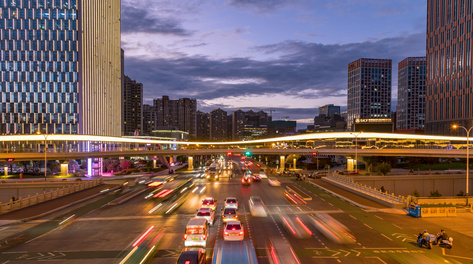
247	153
10	159
315	154
229	153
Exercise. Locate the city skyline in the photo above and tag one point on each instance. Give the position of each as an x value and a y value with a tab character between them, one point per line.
235	58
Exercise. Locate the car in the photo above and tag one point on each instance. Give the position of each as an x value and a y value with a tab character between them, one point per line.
256	177
246	180
257	207
274	182
263	175
229	214
209	202
206	213
231	202
318	174
192	256
233	231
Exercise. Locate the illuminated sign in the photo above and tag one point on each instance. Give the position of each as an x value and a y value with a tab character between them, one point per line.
373	120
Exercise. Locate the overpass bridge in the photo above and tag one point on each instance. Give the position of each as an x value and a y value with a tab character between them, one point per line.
68	147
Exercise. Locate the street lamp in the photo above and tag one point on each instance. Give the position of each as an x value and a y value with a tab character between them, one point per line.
356	149
467	156
45	152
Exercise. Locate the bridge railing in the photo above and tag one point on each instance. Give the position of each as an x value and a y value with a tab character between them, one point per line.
350	182
46	196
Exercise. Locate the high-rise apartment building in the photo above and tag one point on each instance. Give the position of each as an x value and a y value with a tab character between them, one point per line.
179	113
329	110
410	113
218	125
132	107
248	125
449	96
369	89
238	123
149	119
202	126
60	67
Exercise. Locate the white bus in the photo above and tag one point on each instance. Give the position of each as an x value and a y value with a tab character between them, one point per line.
213	171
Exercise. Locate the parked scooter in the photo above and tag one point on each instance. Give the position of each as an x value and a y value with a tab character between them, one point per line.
446	243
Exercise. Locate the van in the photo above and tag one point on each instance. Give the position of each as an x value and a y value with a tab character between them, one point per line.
197	232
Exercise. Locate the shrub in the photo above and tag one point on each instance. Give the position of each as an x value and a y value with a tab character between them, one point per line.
384	168
461	193
416	193
382	189
435	194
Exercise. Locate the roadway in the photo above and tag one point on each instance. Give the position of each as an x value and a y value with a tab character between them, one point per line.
103	233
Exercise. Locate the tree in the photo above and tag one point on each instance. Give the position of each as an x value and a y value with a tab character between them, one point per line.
125	164
384	168
73	165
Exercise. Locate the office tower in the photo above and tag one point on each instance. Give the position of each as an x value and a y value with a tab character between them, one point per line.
179	113
369	89
149	119
218	125
60	67
449	94
279	128
132	107
329	110
238	123
202	126
411	93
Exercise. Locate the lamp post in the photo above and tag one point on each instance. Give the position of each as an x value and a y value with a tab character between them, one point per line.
356	149
45	153
467	156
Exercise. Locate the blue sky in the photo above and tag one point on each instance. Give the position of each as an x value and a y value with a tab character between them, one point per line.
290	56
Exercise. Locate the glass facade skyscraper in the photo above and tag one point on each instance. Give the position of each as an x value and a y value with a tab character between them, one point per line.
59	66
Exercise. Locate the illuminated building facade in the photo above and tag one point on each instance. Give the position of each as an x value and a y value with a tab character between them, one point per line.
369	89
449	96
180	113
60	67
218	125
411	93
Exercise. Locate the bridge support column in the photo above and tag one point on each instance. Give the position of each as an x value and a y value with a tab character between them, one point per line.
282	162
294	161
351	164
190	163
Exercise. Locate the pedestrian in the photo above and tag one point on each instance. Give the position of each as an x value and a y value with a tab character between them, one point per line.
13	198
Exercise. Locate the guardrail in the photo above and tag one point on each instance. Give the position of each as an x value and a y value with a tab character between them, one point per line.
46	196
350	182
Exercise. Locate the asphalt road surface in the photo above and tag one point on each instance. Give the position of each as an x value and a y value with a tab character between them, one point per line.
102	233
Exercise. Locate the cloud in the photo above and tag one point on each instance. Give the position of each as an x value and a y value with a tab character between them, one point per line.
260	5
136	20
304	70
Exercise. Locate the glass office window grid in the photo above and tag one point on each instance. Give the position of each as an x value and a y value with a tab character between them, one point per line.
38	66
411	93
369	89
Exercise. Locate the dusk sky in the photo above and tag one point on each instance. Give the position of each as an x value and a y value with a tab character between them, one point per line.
287	55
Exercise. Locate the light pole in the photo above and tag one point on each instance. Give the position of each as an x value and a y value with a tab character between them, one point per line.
356	149
467	156
45	153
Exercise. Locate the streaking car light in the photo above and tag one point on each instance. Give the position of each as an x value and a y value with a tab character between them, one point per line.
302	200
201	191
294	255
129	255
105	190
155	208
157	237
147	254
303	226
288	225
343	229
195	189
154	184
163	193
290	198
170	209
273	255
140	240
183	190
328	230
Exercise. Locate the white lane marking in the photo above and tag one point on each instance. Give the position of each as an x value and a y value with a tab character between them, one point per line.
378	259
368	226
379	217
397	226
386	237
353	217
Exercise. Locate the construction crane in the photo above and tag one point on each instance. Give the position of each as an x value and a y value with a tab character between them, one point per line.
271	114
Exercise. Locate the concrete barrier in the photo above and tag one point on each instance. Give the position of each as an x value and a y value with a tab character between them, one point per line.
46	196
438	212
